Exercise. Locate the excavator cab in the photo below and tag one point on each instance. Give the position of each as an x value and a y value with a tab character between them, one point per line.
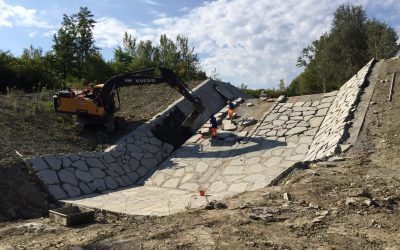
97	89
77	102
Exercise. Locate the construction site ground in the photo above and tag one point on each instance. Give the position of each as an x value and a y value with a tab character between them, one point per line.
348	204
30	127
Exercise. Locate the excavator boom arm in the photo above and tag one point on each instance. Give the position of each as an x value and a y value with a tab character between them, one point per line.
141	78
100	105
181	87
128	79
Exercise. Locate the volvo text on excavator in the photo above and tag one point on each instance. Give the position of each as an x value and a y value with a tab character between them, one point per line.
99	103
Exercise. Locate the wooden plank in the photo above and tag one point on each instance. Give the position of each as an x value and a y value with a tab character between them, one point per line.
69	216
391	87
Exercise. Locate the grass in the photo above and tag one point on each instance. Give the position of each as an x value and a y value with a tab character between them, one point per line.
29	108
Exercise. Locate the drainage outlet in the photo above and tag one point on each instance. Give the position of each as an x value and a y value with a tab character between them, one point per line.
69	216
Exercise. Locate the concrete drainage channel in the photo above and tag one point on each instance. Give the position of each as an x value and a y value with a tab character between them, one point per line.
159	180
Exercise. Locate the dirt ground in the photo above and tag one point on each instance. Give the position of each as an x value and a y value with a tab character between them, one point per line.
349	204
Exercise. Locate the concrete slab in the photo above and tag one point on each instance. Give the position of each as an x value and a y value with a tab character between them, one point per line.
144	200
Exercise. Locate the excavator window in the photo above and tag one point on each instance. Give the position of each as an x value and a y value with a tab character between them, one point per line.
66	93
96	90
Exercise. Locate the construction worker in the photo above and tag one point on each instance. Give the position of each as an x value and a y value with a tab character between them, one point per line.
231	110
214	127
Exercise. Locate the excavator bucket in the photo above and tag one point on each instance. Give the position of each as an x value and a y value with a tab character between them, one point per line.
188	122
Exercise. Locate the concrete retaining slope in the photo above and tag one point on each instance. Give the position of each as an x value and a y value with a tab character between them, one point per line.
134	156
281	139
334	127
221	167
286	135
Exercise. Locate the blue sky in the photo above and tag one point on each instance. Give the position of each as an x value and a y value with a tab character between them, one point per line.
256	42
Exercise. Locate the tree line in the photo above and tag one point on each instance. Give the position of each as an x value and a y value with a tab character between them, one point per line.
337	55
75	60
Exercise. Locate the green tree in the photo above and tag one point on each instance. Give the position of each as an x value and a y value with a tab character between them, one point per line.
319	68
330	61
31	71
64	47
97	69
8	75
243	86
74	44
168	54
347	42
144	56
85	44
382	40
123	56
188	60
74	57
177	55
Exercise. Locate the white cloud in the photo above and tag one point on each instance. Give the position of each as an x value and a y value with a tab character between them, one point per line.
109	31
142	24
156	13
256	42
151	2
50	33
32	33
184	9
15	15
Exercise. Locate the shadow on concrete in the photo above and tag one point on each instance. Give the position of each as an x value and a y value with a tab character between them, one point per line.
196	151
222	143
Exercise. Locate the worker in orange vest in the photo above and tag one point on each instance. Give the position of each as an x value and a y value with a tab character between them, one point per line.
231	110
214	126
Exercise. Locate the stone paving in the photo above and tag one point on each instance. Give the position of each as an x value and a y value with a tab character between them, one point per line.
79	174
334	128
282	139
222	167
288	133
134	157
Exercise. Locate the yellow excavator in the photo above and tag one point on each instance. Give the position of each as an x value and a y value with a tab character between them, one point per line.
98	104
